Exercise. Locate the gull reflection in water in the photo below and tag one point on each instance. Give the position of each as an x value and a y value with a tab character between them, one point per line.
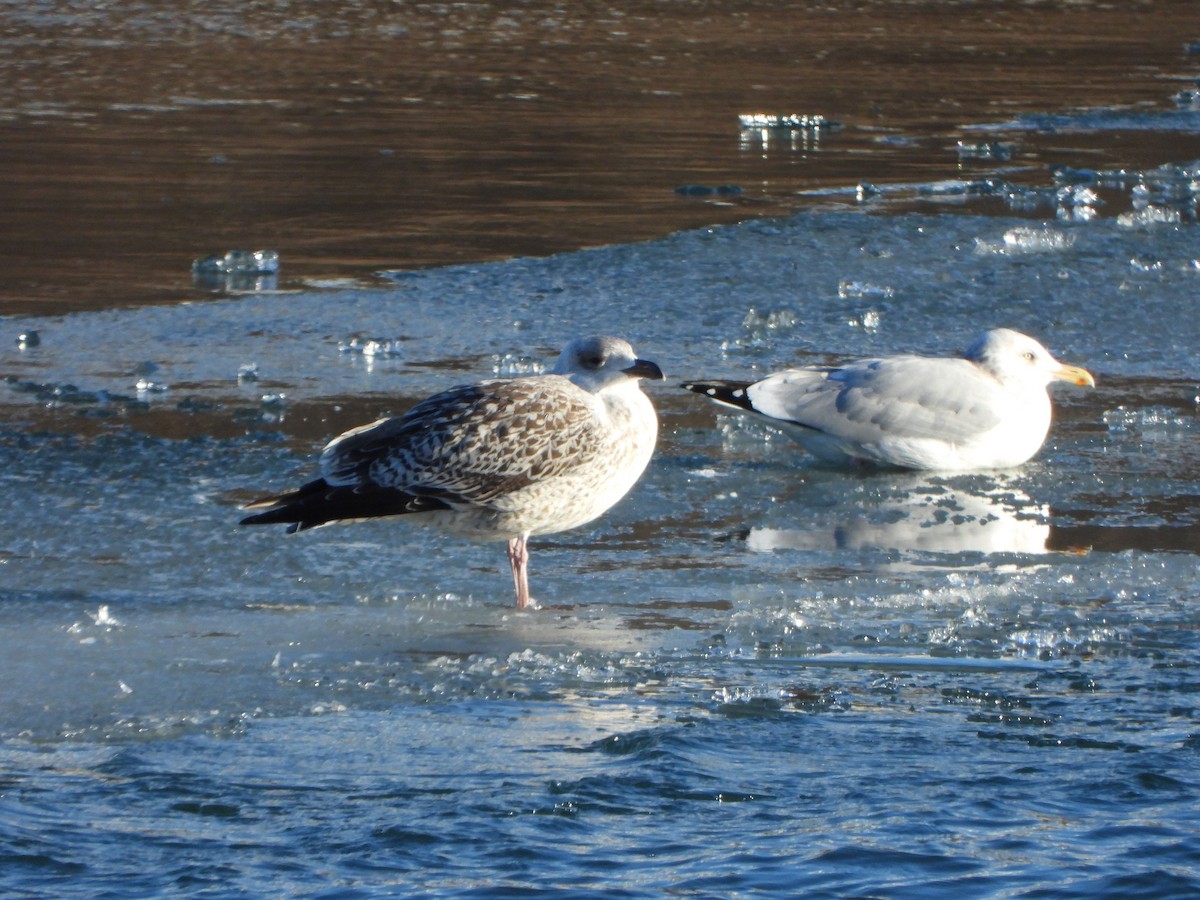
925	516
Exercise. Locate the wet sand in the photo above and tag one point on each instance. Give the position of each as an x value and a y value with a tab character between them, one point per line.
359	137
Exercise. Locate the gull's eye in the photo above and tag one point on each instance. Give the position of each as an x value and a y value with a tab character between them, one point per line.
1029	356
593	361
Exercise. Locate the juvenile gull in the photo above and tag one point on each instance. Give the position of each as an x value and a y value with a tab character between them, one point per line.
499	460
988	409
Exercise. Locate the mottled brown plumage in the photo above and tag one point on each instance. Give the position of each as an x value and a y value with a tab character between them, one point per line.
502	459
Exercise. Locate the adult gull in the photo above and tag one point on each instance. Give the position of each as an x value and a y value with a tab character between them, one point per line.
989	409
498	460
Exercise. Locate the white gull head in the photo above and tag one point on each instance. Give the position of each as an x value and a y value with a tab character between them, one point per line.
598	361
1013	358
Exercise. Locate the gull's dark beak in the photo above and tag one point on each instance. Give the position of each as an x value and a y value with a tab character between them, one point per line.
643	368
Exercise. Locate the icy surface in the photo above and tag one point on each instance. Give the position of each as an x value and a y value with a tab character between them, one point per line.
893	679
1097	293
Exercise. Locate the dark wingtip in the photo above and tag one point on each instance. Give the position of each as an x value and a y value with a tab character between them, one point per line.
727	393
278	516
320	503
712	388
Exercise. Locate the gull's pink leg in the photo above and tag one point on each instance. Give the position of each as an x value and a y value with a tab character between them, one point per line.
518	558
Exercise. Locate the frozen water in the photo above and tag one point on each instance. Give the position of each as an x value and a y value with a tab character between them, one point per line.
805	289
748	638
689	294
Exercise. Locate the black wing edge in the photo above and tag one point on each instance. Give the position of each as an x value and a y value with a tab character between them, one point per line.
730	393
320	503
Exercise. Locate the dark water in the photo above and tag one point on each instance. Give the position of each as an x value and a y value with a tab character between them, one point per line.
754	675
354	137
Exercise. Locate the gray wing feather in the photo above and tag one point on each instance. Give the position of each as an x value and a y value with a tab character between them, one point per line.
472	444
895	398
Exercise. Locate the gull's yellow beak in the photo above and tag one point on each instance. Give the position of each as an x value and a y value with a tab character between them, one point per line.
1075	375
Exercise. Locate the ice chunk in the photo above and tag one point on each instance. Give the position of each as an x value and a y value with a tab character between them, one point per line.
148	386
848	289
957	188
1022	240
794	121
238	262
1188	98
1076	213
1146	265
1025	199
1069	175
794	132
951	187
510	365
871	320
1162	419
1077	195
989	150
1076	203
866	191
1037	240
772	320
371	346
1148	217
238	270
